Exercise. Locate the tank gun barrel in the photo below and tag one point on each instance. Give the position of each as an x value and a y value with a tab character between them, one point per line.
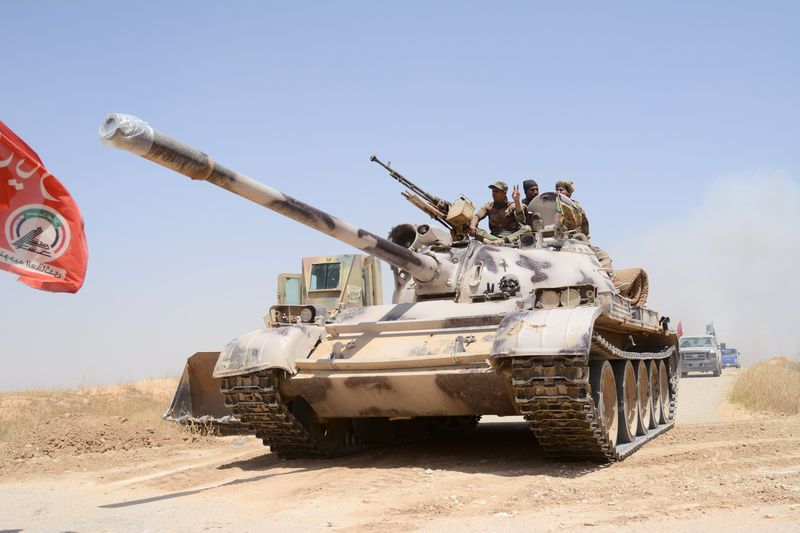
136	136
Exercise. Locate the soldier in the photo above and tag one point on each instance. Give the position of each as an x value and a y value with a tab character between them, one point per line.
506	222
531	190
567	188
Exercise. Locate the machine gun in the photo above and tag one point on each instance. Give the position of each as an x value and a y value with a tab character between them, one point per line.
454	216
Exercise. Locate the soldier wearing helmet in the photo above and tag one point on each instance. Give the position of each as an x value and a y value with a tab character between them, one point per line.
506	221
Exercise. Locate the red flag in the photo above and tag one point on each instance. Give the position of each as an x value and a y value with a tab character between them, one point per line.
41	229
680	329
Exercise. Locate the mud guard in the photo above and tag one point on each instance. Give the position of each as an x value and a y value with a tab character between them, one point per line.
546	332
268	348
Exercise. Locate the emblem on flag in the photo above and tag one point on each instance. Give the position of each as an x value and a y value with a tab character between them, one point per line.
41	229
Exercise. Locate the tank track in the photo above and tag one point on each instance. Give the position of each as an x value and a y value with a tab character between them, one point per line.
255	398
554	395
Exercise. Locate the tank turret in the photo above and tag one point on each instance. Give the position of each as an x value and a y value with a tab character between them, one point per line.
130	133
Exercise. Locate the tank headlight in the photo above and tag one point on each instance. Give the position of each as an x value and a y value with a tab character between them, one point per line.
549	299
570	298
307	314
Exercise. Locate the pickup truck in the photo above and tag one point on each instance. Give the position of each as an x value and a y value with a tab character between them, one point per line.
700	354
730	357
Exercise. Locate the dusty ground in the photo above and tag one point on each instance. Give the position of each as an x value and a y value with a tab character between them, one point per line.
720	469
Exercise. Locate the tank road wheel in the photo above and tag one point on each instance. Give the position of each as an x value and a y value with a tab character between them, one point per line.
643	386
627	398
604	393
655	394
663	380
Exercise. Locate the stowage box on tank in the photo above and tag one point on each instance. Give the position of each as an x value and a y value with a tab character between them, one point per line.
537	329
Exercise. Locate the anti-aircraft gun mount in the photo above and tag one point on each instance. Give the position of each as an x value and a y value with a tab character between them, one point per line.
473	329
454	216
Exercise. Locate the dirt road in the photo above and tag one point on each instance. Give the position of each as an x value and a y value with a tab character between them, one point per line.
719	470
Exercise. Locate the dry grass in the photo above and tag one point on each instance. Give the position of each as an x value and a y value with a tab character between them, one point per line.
144	400
772	386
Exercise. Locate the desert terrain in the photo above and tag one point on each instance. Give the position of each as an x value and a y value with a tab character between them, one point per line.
720	469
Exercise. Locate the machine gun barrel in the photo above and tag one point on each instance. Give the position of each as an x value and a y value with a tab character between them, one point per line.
440	205
134	135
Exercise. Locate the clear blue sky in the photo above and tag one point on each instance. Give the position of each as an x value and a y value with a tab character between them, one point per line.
678	121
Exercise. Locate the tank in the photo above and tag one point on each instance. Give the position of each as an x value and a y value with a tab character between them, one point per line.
538	329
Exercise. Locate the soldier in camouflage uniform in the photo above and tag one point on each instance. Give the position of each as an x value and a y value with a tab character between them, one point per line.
567	188
506	222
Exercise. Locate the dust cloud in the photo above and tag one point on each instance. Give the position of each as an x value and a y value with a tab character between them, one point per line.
731	260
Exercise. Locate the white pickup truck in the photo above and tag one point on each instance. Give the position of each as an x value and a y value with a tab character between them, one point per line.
700	354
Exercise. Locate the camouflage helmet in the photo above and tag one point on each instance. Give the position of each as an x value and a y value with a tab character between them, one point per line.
499	185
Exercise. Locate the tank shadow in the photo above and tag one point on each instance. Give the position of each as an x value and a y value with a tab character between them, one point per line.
130	503
500	447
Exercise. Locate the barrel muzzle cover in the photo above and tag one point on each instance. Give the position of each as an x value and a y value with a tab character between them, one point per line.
127	132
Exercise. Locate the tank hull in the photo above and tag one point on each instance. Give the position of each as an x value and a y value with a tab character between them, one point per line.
408	368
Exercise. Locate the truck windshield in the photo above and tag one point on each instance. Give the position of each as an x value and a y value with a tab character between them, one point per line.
729	351
691	342
324	277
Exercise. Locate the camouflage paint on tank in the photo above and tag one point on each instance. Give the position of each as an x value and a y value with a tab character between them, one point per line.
473	329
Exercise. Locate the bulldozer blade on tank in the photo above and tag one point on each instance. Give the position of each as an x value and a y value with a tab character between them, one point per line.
198	399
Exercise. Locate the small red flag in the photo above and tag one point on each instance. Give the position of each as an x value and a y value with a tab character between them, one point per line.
680	329
41	229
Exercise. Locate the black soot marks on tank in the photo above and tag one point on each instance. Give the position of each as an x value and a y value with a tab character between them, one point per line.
396	312
538	268
375	383
317	390
284	331
300	211
581	346
373	412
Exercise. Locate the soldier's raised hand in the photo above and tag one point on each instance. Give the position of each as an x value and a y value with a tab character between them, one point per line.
516	195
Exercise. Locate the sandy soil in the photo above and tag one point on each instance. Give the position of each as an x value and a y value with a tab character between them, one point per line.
720	469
